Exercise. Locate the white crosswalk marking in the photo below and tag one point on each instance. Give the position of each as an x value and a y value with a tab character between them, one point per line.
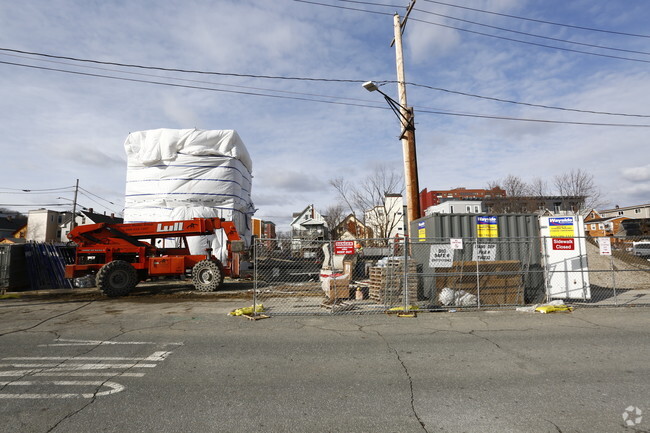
109	367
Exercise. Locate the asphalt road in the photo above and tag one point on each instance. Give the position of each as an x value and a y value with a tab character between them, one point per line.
170	365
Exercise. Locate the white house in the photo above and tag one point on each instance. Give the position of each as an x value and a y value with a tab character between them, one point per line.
456	206
635	212
387	220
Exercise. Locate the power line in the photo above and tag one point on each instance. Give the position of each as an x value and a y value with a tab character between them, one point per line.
539	21
487	34
501	28
189	71
161	83
318	100
30	189
489	98
571	50
95	195
311	79
193	81
534	35
563	122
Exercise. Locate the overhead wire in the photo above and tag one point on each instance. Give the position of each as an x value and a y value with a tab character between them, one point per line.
499	28
320	100
301	78
32	189
532	34
593	29
554	47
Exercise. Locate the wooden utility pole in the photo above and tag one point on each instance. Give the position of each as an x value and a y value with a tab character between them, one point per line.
408	128
74	205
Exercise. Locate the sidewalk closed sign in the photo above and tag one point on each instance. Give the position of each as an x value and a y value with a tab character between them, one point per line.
560	244
344	247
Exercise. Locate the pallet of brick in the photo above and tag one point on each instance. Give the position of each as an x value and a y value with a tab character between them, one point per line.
386	283
499	282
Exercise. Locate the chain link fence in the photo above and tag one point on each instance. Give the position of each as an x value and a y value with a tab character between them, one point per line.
294	277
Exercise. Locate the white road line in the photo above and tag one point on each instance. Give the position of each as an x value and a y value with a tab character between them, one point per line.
61	372
72	342
72	366
156	356
114	388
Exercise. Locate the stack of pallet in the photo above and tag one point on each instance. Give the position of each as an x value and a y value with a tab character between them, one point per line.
387	283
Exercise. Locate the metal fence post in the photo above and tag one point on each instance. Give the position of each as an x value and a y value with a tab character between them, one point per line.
406	280
255	276
545	268
478	276
611	263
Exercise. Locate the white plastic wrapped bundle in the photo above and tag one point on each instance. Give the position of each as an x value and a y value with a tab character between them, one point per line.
177	174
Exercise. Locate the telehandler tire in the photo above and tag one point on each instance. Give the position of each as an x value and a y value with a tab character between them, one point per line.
207	276
116	278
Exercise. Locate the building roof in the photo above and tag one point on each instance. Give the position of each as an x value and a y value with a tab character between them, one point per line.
100	218
12	224
617	208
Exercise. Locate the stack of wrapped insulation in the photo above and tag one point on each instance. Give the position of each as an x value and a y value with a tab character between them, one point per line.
178	174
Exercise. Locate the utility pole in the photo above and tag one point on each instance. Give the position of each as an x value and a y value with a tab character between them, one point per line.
408	127
74	205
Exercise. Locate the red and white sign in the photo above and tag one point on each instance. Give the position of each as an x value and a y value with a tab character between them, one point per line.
563	244
456	244
344	247
605	245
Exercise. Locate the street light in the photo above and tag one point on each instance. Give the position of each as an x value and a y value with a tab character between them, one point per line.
407	136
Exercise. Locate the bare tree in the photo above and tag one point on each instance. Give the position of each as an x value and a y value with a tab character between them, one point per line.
538	187
578	183
333	216
368	198
513	185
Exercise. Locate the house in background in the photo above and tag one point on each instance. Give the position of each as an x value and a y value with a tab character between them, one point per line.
433	198
264	230
635	212
13	228
308	231
601	227
44	225
543	205
351	228
456	206
386	221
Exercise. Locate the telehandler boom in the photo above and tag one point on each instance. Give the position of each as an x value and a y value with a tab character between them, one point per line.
121	255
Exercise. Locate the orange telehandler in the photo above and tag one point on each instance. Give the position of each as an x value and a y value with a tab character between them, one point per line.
121	255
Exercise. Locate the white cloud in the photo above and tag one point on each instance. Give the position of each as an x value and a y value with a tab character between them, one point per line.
637	174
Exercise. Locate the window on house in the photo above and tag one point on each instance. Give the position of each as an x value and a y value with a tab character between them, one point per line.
557	207
468	209
637	210
620	212
451	209
476	209
601	227
593	226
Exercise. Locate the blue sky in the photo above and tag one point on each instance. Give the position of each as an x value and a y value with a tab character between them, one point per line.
60	126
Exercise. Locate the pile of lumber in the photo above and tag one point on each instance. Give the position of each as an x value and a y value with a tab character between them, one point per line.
387	283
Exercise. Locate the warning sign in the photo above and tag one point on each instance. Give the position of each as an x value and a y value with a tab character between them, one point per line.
561	227
484	253
344	247
562	244
487	227
441	256
605	246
